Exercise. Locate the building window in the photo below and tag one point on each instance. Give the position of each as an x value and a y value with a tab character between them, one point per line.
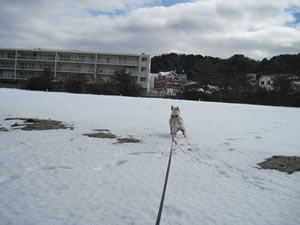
132	70
144	59
143	79
269	82
262	82
143	69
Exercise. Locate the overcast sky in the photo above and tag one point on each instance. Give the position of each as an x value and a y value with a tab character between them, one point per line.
219	28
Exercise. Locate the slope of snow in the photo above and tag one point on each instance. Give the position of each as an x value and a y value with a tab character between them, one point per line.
62	177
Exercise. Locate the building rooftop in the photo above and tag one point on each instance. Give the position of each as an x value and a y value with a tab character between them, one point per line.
72	51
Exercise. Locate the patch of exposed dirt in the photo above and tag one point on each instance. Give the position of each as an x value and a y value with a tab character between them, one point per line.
287	164
107	130
30	124
105	133
3	129
102	133
127	140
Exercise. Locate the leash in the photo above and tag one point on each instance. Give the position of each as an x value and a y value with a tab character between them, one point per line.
166	181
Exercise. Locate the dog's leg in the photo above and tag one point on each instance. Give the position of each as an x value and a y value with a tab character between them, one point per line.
176	132
183	132
171	128
170	123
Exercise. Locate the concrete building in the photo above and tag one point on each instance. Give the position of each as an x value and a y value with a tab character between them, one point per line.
151	90
21	64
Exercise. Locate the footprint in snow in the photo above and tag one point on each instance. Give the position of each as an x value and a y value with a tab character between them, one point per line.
4	179
113	163
56	167
226	143
141	153
121	162
49	168
234	139
14	177
172	210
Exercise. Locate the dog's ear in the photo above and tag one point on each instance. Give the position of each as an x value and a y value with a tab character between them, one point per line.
178	109
172	108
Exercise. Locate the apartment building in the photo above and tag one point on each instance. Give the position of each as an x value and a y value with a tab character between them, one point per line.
21	64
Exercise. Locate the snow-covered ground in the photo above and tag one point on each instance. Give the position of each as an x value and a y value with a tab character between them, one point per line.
62	177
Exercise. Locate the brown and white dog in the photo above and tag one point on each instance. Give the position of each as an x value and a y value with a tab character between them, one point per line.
176	121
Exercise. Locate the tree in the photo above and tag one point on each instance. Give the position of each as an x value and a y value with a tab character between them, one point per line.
206	71
42	83
282	83
75	84
125	84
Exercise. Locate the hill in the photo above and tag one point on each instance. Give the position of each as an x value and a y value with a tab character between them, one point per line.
237	63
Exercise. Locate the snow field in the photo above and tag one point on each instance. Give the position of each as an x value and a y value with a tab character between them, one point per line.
63	177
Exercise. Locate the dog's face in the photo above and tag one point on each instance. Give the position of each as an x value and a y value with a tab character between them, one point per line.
175	111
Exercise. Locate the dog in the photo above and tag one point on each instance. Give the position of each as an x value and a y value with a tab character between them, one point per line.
176	122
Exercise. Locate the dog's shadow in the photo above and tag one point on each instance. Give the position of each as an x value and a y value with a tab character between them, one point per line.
166	135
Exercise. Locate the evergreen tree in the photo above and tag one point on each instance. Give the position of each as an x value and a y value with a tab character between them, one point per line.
282	83
125	84
75	84
44	82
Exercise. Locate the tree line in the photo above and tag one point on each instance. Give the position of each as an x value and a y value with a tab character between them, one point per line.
231	79
240	63
121	83
224	80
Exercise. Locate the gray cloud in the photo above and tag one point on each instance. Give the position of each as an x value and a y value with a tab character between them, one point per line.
212	27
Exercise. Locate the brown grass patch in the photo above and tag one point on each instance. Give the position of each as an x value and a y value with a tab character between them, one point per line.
287	164
30	124
102	133
127	140
3	129
105	133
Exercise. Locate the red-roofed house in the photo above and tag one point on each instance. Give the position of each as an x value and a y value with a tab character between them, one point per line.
167	83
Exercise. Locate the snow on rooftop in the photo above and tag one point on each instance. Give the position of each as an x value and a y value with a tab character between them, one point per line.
168	73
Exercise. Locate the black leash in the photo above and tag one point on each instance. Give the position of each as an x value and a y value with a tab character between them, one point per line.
165	185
